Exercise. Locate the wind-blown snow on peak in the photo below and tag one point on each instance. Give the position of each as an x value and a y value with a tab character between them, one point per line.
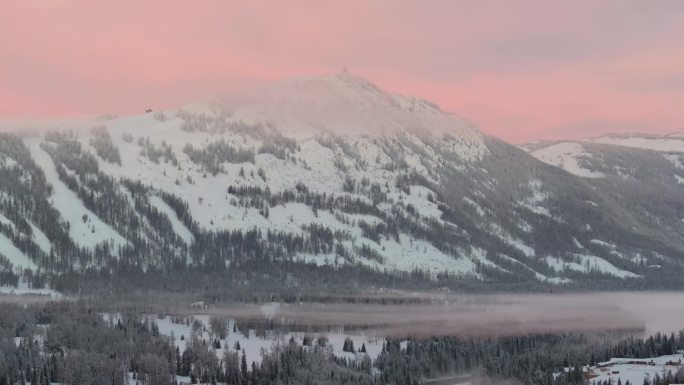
344	104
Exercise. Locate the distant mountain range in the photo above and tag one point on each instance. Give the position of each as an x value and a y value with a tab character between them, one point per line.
331	179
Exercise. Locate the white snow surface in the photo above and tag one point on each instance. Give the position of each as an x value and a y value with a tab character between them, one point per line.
176	223
345	103
589	263
515	242
409	254
72	208
40	238
565	156
24	289
5	221
634	370
534	202
16	257
539	276
254	346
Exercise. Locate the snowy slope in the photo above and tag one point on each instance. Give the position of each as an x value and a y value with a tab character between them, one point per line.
565	155
40	238
178	226
16	257
88	232
587	264
639	173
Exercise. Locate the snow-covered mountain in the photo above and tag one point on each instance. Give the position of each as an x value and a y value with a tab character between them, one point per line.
576	156
325	171
643	173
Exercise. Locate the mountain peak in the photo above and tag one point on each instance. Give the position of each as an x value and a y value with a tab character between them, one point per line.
344	103
340	79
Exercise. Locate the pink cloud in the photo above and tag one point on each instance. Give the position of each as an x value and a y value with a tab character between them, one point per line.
521	70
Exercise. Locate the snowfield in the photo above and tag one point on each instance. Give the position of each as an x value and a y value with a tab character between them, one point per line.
587	264
88	232
176	223
254	346
565	156
24	289
632	369
16	257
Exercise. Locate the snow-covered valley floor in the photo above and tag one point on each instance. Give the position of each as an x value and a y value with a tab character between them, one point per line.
634	370
254	344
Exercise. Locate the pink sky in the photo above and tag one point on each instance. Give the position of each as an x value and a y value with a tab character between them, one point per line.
521	70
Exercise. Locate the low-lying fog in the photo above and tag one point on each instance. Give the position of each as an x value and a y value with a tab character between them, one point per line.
487	314
429	315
